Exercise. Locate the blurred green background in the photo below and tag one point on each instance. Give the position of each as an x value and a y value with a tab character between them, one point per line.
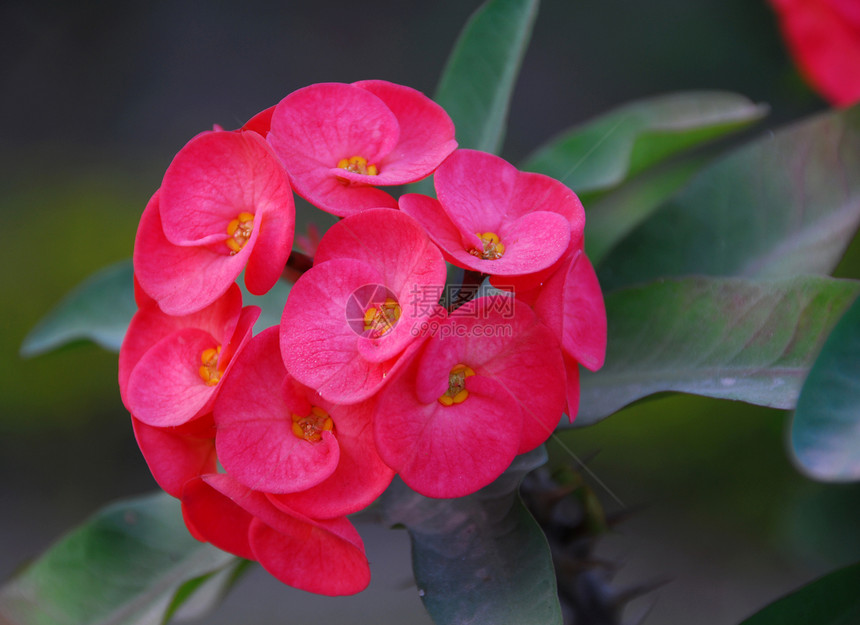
98	97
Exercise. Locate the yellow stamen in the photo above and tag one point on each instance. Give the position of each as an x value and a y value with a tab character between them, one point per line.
358	165
381	319
208	371
311	427
239	231
492	248
457	393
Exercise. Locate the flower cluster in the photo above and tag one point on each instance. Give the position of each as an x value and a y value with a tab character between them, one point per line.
378	367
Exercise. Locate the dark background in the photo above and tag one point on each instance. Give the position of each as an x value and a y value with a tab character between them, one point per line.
98	97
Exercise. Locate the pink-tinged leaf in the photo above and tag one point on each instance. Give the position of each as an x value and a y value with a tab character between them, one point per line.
253	415
165	388
426	133
176	455
181	279
729	338
213	179
447	451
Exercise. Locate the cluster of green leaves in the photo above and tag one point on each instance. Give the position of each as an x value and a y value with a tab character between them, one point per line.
717	268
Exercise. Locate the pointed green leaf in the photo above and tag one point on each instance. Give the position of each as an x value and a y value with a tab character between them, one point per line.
603	153
831	600
480	559
479	77
99	309
124	566
614	214
729	338
825	431
787	204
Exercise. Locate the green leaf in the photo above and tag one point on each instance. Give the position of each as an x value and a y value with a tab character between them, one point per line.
479	77
613	215
480	559
831	600
604	152
729	338
99	309
787	204
124	566
199	596
825	431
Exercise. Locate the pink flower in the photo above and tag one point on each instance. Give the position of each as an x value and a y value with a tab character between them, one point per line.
277	436
823	36
571	304
496	220
225	205
175	455
349	320
261	122
170	367
340	141
322	556
488	384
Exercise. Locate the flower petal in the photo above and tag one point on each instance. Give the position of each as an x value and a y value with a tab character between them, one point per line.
426	133
181	279
165	388
253	413
447	451
176	455
213	179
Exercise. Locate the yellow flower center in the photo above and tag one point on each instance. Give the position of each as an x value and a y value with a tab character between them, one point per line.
456	393
209	372
358	165
381	319
492	248
311	427
239	231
